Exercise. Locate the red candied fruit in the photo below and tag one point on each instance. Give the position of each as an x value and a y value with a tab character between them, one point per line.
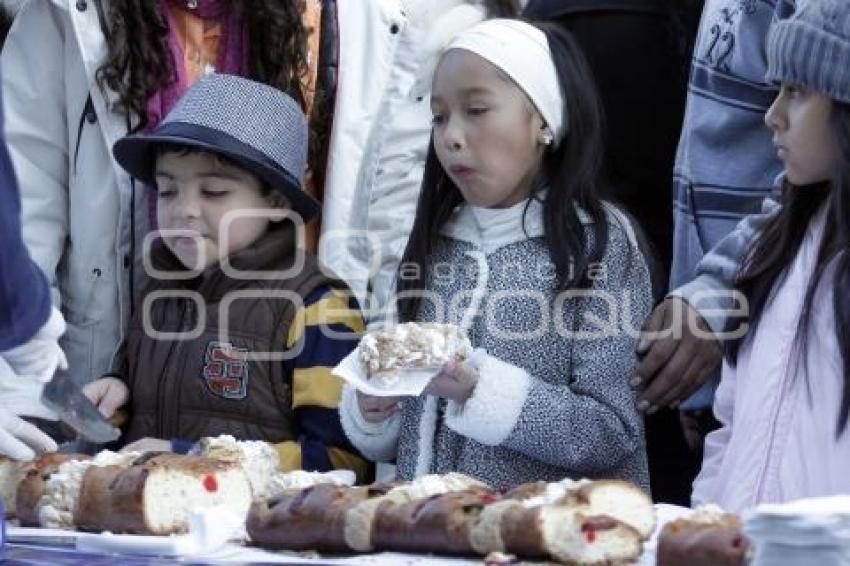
210	483
489	498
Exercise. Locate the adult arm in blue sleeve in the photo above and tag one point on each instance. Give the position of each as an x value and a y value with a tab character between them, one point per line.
709	293
24	291
680	347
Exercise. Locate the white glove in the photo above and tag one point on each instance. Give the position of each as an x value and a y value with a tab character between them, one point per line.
40	357
21	440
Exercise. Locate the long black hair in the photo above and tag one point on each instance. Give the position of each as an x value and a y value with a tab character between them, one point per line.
501	8
569	174
766	265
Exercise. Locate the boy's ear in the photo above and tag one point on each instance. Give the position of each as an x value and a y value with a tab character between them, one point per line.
278	202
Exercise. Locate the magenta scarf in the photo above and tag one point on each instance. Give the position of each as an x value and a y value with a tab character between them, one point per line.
232	52
232	59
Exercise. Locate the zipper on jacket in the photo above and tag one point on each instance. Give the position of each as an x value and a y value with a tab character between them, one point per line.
131	255
88	115
101	19
772	439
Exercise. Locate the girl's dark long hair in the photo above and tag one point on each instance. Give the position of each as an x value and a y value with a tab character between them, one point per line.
776	246
139	62
501	8
569	173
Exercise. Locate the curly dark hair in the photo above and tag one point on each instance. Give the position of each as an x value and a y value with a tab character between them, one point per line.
139	62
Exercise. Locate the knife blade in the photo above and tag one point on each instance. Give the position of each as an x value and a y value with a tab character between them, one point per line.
66	399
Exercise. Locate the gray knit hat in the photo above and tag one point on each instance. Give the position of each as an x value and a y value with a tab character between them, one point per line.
812	48
257	126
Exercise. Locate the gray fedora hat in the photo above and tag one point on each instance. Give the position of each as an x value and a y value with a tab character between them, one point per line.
257	126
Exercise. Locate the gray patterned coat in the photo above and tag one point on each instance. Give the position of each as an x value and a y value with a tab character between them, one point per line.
553	399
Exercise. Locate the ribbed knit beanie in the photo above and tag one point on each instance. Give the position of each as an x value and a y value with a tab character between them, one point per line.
812	48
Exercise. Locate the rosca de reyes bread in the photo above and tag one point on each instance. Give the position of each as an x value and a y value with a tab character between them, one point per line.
157	493
573	522
313	518
31	488
708	537
11	474
437	522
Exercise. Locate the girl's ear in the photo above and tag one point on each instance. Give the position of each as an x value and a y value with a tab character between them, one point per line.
546	136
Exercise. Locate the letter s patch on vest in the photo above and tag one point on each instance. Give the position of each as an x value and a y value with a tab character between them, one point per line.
225	370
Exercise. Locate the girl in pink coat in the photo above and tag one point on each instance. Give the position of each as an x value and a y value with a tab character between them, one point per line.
784	398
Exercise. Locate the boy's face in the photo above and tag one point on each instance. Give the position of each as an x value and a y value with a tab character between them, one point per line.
195	191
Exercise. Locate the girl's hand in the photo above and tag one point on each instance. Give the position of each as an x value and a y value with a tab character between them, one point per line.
148	445
455	381
107	393
377	409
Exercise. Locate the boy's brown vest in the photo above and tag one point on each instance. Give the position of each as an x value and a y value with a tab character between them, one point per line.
203	386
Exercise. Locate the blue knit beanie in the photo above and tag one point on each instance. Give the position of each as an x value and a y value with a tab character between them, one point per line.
812	48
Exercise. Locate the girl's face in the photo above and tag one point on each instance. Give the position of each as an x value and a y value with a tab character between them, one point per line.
487	133
194	192
803	135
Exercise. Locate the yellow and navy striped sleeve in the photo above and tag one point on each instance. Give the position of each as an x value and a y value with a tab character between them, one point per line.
325	330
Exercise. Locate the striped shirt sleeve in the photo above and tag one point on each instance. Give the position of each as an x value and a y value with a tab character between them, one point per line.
324	331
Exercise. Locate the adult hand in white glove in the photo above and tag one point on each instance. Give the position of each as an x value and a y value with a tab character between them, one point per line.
21	440
40	357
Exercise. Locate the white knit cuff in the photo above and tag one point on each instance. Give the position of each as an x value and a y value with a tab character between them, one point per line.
492	411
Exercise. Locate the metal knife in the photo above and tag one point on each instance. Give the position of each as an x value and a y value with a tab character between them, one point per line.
63	396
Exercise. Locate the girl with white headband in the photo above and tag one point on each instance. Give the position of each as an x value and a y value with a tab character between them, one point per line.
511	242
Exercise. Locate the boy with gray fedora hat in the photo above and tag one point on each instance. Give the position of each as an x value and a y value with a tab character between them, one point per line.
239	327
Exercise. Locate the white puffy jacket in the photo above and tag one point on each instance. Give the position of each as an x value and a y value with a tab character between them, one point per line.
381	128
76	201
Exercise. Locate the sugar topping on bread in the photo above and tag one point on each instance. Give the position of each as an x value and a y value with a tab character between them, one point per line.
708	514
436	484
299	479
555	492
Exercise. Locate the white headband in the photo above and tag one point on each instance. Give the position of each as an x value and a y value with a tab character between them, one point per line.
522	51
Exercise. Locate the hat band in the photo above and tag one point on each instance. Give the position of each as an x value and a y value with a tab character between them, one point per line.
221	142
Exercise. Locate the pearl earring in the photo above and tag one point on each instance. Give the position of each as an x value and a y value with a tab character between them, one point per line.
547	138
